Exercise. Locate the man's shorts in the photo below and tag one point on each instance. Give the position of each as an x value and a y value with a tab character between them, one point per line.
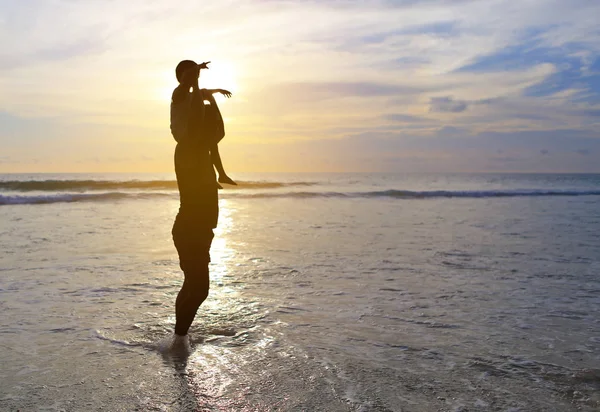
192	242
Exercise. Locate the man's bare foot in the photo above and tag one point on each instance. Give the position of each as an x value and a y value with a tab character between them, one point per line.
226	179
175	348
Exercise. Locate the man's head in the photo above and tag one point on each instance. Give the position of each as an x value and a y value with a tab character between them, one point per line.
184	66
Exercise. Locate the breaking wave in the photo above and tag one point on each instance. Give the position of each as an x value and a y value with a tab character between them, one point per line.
232	194
408	194
89	185
75	197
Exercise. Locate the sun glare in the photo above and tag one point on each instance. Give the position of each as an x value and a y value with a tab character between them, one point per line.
220	75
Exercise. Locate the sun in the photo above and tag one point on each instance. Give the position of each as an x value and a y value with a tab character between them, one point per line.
220	75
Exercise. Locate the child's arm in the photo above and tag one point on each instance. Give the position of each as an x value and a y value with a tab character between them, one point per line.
216	160
224	92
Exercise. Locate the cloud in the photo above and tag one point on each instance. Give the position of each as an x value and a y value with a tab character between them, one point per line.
405	118
327	90
532	116
591	112
570	60
437	75
505	159
60	52
445	150
25	130
515	57
447	105
440	28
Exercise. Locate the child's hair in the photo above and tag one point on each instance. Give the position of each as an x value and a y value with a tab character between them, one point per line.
182	67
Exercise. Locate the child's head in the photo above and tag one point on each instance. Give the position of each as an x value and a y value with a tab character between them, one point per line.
182	67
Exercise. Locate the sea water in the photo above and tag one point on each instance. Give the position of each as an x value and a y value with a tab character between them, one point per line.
329	292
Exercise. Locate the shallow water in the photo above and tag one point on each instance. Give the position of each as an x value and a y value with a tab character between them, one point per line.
322	297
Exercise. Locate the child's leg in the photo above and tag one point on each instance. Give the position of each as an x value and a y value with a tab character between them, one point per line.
216	160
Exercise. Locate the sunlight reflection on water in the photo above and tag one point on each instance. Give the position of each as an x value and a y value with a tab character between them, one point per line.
220	252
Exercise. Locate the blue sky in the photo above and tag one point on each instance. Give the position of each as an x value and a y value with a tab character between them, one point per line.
431	85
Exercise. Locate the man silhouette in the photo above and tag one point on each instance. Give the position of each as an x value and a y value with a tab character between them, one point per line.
199	209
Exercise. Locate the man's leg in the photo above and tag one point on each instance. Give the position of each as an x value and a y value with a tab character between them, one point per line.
193	246
193	292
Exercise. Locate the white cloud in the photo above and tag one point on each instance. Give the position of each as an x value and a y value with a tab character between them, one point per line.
305	70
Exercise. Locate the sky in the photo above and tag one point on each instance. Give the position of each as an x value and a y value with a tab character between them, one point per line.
318	85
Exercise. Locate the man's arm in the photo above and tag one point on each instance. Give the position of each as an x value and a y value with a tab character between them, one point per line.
180	113
185	115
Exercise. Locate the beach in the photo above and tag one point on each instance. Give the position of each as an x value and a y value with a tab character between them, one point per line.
329	292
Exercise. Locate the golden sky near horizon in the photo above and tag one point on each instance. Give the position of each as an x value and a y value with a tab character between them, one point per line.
428	85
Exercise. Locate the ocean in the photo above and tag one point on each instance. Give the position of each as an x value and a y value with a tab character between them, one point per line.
329	292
